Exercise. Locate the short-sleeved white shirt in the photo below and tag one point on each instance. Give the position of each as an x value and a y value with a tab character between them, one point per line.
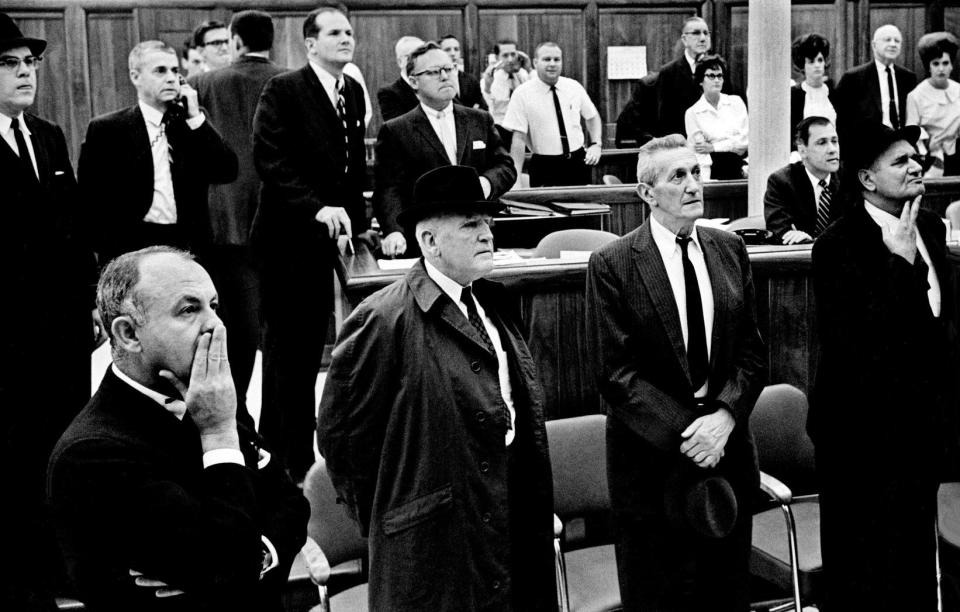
531	112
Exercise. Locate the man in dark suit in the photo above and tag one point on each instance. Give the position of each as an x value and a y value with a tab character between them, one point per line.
435	133
155	475
398	97
883	411
309	151
442	456
864	94
803	198
144	170
469	93
229	96
676	89
47	259
672	320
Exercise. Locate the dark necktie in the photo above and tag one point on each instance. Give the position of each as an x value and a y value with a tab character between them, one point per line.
823	207
894	115
166	123
466	296
342	112
696	337
22	149
563	128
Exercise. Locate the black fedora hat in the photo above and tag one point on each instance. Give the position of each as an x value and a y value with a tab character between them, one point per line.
699	500
871	140
447	189
11	37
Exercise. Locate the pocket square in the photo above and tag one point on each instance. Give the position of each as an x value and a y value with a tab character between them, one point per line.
58	173
479	144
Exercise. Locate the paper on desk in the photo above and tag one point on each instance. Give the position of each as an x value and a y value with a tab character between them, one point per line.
576	256
396	264
717	223
506	257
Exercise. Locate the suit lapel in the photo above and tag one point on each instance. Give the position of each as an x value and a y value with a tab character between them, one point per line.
460	120
429	135
654	276
801	181
39	150
873	83
320	98
719	289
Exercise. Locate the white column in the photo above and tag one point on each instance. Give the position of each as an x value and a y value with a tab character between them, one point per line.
768	94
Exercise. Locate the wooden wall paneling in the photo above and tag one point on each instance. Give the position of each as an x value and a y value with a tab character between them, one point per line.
175	25
951	23
110	36
911	18
733	43
288	46
656	28
78	69
377	32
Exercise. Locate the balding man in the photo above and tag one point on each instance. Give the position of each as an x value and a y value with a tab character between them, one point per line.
156	475
676	89
875	92
398	97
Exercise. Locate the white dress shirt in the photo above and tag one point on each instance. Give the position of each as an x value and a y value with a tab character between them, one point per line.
672	256
885	94
816	102
532	112
445	127
501	90
328	82
6	130
454	289
886	220
817	189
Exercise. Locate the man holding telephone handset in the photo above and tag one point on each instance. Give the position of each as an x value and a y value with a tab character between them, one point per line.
144	171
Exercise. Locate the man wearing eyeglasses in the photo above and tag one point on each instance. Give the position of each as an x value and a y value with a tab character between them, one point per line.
309	151
45	359
212	38
677	89
435	133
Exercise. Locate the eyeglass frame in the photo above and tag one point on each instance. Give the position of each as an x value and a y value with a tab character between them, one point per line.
434	73
32	62
697	33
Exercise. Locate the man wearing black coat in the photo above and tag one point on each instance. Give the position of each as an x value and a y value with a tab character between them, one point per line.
676	89
144	171
44	354
156	475
883	413
399	97
413	144
308	148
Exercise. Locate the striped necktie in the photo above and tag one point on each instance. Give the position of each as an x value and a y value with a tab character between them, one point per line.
342	112
823	207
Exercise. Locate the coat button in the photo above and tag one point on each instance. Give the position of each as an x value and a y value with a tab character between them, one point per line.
484	467
486	517
475	366
496	585
481	416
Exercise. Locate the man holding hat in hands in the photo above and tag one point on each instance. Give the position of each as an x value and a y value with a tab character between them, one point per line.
672	320
441	455
882	411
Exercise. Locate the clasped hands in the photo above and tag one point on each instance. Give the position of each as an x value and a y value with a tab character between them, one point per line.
705	438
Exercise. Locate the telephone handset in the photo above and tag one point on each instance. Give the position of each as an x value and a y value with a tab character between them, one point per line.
177	108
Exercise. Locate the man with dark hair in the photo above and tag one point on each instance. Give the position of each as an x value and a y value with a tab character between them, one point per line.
803	198
213	40
671	317
398	97
441	456
309	151
156	476
144	171
191	60
437	132
501	79
45	355
230	97
883	409
469	93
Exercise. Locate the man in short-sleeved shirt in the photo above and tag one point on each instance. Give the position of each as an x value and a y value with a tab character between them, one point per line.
561	154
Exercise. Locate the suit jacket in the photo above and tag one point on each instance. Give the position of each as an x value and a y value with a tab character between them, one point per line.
298	148
408	147
788	202
116	177
129	490
470	94
639	119
857	99
798	99
634	330
887	367
676	92
416	451
230	97
396	99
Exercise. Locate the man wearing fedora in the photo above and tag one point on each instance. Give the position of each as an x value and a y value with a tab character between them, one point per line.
45	367
680	363
442	456
883	412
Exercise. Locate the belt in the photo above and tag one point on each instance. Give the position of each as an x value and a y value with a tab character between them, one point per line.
571	155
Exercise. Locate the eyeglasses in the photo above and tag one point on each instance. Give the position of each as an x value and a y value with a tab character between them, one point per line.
713	76
12	64
697	33
435	72
220	42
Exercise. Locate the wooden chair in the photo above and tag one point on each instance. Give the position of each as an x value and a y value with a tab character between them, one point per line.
572	240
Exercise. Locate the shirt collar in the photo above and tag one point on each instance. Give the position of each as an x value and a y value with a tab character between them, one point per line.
882	68
327	80
6	122
449	286
666	240
435	114
813	179
177	407
880	216
150	114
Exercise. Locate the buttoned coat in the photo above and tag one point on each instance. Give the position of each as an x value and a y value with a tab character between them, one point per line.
412	427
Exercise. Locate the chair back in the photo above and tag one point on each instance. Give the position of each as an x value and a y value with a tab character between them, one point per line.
609	179
953	214
778	423
331	527
754	222
578	454
572	240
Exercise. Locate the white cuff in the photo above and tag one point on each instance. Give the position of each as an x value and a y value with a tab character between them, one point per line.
195	122
222	455
272	552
